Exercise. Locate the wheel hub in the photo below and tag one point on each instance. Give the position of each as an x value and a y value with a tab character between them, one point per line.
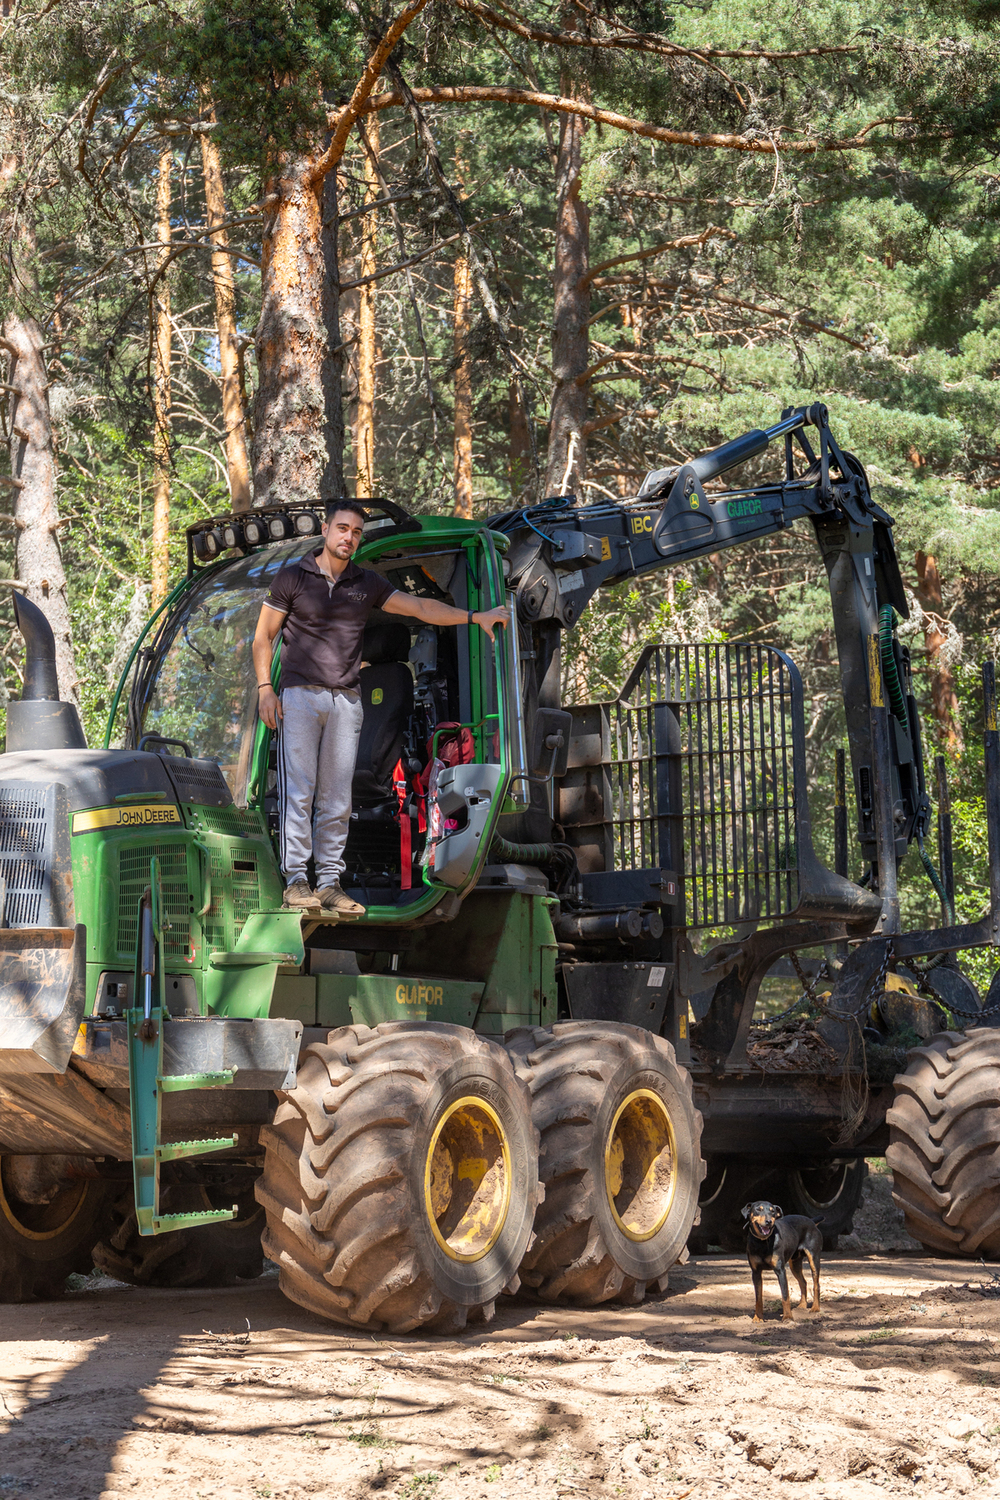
639	1165
467	1179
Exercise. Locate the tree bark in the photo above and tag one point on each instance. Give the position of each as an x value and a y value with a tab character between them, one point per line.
944	694
332	375
224	286
289	443
463	374
162	348
38	559
567	454
520	441
37	555
364	441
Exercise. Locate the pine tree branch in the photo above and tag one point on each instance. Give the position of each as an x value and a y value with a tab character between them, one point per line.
558	104
344	120
713	232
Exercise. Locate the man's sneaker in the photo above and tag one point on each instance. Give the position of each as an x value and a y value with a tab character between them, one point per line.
333	898
301	897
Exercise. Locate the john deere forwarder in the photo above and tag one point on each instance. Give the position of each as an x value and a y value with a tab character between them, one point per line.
508	1072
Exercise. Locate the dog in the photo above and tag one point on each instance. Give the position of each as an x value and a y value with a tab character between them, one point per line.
776	1240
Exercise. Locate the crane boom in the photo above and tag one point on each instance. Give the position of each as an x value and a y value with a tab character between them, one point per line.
561	554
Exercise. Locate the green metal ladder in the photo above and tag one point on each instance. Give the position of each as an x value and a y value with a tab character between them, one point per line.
148	1082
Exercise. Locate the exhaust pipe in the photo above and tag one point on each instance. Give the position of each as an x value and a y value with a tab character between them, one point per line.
40	721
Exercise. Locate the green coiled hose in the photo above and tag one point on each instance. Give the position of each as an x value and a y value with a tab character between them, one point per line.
886	621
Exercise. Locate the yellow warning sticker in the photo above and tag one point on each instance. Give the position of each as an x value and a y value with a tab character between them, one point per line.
139	815
605	549
875	673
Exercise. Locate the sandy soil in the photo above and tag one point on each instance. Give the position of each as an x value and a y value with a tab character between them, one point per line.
890	1389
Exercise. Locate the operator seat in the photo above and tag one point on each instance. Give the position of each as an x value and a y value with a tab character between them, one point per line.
387	698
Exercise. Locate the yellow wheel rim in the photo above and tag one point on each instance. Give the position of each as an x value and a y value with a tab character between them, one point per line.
48	1219
640	1165
467	1179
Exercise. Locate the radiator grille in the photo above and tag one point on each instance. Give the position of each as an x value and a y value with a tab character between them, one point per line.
239	822
236	886
133	878
23	864
199	783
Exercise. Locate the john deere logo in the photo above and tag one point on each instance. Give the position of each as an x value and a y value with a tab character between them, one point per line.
376	695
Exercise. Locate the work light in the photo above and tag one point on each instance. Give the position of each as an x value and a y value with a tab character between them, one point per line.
278	527
254	532
307	523
232	534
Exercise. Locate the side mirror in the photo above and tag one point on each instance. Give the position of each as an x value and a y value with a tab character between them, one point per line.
549	752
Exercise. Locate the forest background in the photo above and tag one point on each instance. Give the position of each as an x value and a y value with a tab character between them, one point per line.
464	255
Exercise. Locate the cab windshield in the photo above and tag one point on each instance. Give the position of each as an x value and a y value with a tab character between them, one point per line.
204	690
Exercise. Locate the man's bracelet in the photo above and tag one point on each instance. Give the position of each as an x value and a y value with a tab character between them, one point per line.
264	685
471	613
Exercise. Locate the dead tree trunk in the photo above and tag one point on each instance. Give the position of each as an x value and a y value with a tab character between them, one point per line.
567	454
37	557
224	285
162	348
944	694
364	449
289	446
38	560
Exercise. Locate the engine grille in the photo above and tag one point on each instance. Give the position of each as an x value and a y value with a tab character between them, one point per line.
133	878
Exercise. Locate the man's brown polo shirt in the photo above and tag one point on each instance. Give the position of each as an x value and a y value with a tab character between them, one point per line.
324	622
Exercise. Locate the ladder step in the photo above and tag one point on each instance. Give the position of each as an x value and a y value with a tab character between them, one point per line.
176	1150
176	1083
161	1223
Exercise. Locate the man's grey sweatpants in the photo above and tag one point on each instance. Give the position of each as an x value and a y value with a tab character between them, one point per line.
317	749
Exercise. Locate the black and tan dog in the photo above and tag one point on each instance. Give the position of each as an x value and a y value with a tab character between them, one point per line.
776	1241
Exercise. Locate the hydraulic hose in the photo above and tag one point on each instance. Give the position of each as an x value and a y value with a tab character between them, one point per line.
886	620
936	882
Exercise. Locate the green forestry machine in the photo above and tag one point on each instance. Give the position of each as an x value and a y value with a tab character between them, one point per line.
530	1063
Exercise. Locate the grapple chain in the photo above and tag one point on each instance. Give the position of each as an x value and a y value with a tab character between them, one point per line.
924	983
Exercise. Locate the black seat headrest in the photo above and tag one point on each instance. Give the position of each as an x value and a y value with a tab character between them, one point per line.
385	640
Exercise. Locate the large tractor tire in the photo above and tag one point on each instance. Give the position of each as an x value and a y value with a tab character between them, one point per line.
620	1159
830	1191
400	1178
43	1243
208	1255
944	1144
730	1182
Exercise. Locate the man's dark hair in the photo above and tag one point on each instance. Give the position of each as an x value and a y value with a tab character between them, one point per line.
333	506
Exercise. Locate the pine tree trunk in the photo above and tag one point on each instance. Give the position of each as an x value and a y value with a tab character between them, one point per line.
567	455
364	454
162	343
520	441
289	444
224	285
463	390
944	694
332	484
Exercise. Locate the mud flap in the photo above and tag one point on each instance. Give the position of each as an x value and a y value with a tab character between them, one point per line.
42	996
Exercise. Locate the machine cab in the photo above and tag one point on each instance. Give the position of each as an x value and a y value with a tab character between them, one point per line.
441	750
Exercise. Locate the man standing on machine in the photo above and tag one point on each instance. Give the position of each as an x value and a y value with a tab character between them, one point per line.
320	605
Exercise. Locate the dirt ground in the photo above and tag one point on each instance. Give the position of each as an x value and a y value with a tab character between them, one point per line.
890	1389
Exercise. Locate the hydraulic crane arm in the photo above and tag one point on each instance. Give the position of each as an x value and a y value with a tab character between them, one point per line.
561	554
